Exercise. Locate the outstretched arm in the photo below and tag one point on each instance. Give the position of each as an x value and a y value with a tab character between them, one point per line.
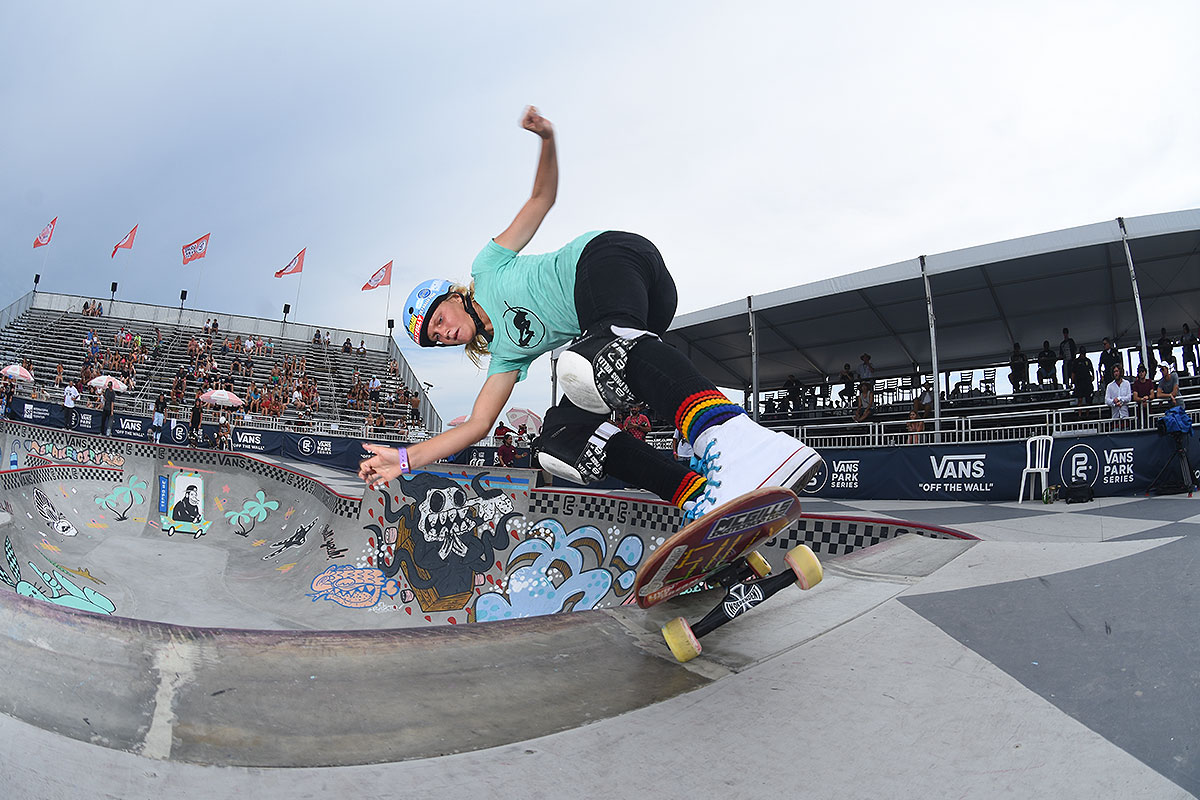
383	465
545	186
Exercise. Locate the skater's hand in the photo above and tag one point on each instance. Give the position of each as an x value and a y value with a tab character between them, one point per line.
535	122
382	466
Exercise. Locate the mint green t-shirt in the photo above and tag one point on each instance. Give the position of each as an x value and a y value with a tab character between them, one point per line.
530	299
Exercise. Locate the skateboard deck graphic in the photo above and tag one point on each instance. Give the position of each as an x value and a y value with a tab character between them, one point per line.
715	540
718	550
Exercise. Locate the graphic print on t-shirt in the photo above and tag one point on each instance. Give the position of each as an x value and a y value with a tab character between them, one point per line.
523	326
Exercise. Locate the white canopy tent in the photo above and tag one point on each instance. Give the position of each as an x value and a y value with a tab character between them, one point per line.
962	309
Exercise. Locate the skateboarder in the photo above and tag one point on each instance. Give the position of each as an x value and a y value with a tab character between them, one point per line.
610	295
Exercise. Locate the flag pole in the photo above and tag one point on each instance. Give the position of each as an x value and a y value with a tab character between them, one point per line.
296	302
388	308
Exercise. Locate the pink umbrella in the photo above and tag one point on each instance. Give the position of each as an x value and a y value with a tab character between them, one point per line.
523	416
17	372
457	421
106	380
220	397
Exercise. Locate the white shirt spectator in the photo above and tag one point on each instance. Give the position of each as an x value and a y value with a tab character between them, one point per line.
1118	397
70	395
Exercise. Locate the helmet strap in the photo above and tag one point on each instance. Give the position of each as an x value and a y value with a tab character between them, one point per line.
479	326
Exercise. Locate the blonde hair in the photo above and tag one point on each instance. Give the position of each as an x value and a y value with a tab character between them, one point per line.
477	348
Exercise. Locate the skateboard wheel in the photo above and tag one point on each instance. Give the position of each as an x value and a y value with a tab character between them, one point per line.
683	643
804	563
758	564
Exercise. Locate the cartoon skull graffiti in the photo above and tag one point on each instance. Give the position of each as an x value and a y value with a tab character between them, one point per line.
452	536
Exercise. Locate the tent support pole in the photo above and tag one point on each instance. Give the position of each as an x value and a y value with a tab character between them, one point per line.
1137	297
753	359
937	395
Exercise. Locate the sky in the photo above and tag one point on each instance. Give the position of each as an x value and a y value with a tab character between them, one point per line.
760	145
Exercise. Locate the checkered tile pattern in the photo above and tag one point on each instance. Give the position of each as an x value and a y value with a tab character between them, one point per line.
593	509
30	476
837	537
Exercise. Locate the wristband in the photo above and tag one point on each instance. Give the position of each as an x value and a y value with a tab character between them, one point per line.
402	456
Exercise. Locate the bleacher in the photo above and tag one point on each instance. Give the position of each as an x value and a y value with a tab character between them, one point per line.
48	336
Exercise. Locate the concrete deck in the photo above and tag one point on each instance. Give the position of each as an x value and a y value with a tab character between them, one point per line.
1053	658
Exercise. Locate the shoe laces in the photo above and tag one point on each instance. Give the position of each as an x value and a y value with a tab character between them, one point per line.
704	464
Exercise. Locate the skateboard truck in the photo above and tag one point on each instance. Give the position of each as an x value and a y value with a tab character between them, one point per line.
742	595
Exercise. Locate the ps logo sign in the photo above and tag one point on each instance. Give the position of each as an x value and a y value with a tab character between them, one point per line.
307	445
178	434
1079	465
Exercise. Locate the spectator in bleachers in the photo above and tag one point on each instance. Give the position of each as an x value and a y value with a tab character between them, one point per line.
253	398
1018	364
216	327
1109	358
915	427
1083	376
793	389
1166	349
923	402
58	374
394	366
327	336
1143	388
866	375
846	378
87	309
864	406
98	309
347	346
414	405
1190	344
1168	385
207	326
1067	351
362	350
1118	394
502	430
6	398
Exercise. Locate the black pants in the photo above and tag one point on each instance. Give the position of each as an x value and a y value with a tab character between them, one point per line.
621	280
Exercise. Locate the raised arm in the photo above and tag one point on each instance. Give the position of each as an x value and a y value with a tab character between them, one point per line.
545	186
383	465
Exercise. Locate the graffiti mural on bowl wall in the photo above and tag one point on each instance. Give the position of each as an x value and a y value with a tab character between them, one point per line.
441	540
55	587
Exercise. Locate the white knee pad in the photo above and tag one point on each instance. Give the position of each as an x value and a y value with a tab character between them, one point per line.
593	370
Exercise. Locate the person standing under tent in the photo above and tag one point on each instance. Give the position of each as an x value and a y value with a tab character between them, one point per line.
1189	343
1066	354
609	295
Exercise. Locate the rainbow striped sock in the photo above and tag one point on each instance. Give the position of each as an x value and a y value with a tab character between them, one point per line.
689	489
702	411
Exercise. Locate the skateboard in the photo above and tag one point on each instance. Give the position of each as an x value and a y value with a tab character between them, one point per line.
718	551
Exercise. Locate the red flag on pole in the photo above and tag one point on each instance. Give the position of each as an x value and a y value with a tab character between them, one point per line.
197	249
296	265
126	243
47	232
381	278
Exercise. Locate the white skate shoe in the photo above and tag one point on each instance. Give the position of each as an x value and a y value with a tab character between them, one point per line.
739	456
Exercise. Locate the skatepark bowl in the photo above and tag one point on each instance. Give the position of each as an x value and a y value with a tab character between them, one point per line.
191	623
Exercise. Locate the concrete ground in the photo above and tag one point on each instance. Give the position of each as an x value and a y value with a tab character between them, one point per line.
1054	658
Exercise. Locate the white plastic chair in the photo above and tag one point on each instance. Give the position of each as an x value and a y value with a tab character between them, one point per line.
1037	462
